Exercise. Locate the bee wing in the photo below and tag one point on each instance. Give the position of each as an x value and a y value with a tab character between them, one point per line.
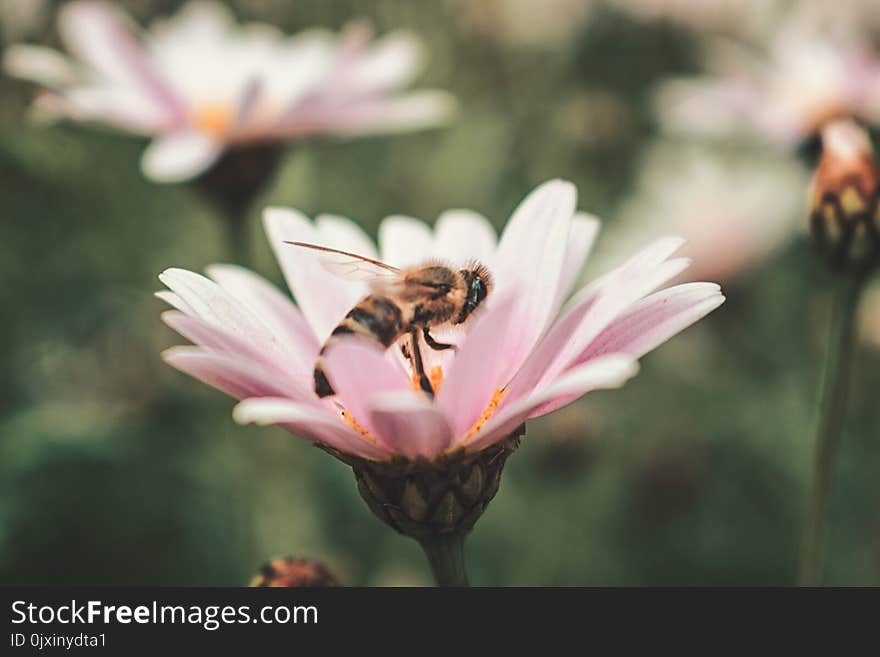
353	267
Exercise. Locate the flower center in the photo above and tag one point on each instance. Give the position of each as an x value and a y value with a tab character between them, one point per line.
354	424
489	411
213	119
435	376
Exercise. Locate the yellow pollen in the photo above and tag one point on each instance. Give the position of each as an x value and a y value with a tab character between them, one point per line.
213	119
354	424
491	407
435	376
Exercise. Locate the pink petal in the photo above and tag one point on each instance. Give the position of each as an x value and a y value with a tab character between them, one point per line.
273	308
530	259
584	229
359	370
607	372
402	113
216	306
235	377
214	338
251	94
120	107
654	320
479	367
410	424
590	312
102	37
179	156
559	396
315	425
297	383
323	298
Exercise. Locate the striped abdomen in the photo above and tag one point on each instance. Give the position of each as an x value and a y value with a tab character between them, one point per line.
376	318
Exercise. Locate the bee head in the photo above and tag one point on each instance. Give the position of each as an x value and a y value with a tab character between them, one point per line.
478	282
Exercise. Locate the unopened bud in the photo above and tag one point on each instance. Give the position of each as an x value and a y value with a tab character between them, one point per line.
290	572
845	213
427	499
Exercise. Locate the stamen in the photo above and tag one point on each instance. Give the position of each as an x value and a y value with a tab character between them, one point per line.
491	407
435	376
213	119
350	421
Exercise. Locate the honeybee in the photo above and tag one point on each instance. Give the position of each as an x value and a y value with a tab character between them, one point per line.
409	301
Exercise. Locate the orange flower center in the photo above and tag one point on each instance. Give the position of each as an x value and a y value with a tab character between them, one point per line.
354	424
436	378
489	411
213	119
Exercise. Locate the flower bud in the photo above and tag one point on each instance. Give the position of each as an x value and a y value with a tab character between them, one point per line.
426	499
845	214
291	572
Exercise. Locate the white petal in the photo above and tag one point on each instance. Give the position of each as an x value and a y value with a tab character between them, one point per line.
389	62
39	64
275	310
174	301
314	424
323	298
343	233
461	235
216	306
404	241
179	156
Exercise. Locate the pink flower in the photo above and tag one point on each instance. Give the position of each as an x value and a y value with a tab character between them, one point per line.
808	75
525	353
198	83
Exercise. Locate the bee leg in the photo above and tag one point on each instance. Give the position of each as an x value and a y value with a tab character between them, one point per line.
418	365
437	346
404	349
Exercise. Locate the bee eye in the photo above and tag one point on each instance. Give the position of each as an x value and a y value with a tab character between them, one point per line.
478	292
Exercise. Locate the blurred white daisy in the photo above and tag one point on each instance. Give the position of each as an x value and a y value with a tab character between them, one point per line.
809	74
199	83
733	209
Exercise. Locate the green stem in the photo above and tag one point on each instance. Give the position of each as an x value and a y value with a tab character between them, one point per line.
835	387
236	230
446	555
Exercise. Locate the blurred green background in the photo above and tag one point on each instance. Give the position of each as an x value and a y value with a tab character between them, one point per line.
116	469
